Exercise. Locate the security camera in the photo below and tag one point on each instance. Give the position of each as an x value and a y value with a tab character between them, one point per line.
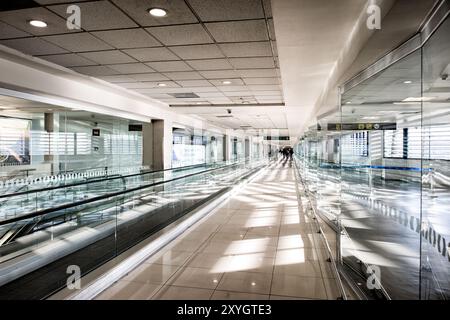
229	111
444	76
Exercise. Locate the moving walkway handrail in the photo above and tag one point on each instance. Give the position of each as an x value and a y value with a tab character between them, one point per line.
106	196
75	184
332	261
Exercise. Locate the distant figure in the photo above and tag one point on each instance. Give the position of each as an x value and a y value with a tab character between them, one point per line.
291	153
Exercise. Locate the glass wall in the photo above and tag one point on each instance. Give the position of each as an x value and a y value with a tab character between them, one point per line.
42	142
435	258
379	168
191	147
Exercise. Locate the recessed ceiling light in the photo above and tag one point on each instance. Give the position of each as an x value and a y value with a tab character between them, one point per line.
162	85
38	23
226	82
407	82
157	12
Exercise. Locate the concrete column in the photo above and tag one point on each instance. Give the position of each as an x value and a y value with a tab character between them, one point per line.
147	145
227	147
162	144
51	126
158	144
247	148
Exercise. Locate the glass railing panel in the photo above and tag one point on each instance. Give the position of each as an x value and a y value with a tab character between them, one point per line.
87	234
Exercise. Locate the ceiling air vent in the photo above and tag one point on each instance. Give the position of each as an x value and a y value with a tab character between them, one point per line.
184	95
225	116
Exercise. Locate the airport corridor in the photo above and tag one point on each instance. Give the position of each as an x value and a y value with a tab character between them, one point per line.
259	244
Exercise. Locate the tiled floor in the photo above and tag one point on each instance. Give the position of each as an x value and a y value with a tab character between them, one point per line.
258	245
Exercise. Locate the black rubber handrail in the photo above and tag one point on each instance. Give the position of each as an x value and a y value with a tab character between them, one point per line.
95	180
105	196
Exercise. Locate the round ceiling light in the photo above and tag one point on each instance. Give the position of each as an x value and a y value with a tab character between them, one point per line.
157	12
226	82
407	82
162	85
38	23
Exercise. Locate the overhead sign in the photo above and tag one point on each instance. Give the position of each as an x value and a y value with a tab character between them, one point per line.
96	132
361	126
282	138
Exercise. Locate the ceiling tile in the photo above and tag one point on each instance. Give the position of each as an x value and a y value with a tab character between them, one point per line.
127	38
219	100
181	35
202	89
33	46
155	76
210	64
221	74
275	49
245	63
264	87
95	71
151	54
270	101
189	75
220	10
258	73
247	49
267	93
168	66
275	97
194	83
78	42
130	68
149	85
159	96
238	93
234	82
164	90
267	8
9	32
210	94
262	81
20	18
98	15
46	2
271	29
178	11
238	31
116	79
108	57
232	88
201	51
69	60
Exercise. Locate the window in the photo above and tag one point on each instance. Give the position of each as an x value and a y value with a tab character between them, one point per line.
393	143
355	144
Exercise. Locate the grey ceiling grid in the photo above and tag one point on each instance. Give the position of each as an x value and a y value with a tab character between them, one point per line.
197	46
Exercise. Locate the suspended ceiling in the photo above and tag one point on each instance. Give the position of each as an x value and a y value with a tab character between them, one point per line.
197	46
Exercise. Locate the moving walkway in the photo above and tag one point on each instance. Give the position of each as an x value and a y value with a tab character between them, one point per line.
87	224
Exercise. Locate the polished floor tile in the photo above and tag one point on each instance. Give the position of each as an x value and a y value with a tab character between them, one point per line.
260	244
126	290
295	286
249	282
182	293
229	295
196	278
